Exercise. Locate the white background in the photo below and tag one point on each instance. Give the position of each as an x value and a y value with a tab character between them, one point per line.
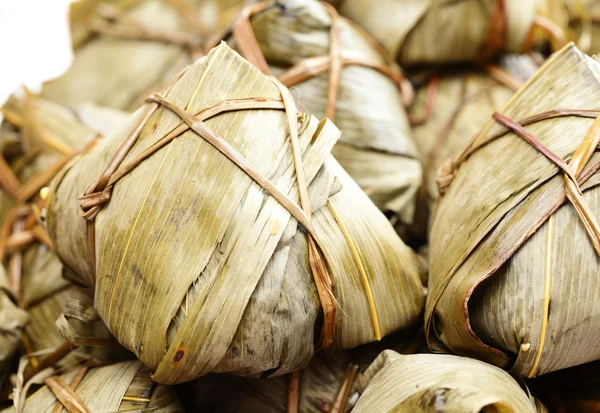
35	43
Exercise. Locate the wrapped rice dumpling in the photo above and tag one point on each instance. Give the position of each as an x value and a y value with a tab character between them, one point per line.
441	383
451	108
338	71
125	49
12	322
38	136
514	242
200	256
443	31
121	387
46	135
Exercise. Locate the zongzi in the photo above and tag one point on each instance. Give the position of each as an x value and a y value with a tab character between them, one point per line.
444	31
514	243
337	70
46	136
121	387
200	256
450	109
126	49
434	383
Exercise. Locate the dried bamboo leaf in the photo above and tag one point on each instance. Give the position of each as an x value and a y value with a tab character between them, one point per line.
376	146
450	109
503	235
125	49
12	323
441	383
43	133
443	31
121	387
197	268
46	132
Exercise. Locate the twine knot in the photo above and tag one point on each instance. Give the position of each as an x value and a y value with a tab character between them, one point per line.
445	175
93	199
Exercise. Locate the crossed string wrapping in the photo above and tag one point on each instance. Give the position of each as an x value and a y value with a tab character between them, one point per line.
65	393
134	30
99	192
333	63
573	178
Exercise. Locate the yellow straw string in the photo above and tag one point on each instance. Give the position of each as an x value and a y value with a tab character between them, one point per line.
361	269
135	399
547	283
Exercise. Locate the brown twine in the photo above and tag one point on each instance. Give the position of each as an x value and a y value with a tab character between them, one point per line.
341	399
448	170
293	395
21	227
572	171
98	193
575	174
433	84
333	63
501	78
59	387
135	30
8	180
554	31
68	399
497	31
